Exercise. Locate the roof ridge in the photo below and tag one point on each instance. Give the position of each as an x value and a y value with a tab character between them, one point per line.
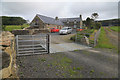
69	18
49	20
44	16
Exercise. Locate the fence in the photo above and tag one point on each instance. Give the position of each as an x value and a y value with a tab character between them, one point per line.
32	44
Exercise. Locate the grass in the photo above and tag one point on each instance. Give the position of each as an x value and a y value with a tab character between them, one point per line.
78	68
72	72
14	27
108	29
92	71
76	50
43	60
115	28
103	41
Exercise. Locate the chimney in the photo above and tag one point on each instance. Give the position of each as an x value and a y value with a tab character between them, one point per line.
80	17
80	21
56	18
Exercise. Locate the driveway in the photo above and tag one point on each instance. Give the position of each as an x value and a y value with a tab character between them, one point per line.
88	63
70	60
62	43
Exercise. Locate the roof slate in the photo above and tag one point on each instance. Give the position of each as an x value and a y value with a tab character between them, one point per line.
70	19
49	20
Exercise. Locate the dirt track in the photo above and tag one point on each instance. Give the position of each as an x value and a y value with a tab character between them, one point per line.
113	36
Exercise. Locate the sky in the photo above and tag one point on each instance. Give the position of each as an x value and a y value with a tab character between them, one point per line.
106	9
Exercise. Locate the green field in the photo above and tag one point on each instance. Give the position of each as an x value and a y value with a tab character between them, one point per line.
14	27
115	28
103	41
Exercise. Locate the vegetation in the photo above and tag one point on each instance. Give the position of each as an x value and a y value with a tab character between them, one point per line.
13	20
91	24
81	34
94	16
13	27
115	28
64	63
103	41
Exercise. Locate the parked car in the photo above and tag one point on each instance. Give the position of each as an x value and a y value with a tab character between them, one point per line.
54	30
65	30
79	29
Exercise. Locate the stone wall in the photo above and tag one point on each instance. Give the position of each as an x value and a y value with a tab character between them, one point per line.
49	26
20	32
36	31
9	68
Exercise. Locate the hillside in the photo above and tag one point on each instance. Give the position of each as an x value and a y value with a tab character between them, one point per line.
110	22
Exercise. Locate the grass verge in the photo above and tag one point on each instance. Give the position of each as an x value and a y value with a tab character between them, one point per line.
14	27
103	41
115	28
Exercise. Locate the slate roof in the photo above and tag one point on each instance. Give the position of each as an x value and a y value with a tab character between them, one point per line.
70	19
49	20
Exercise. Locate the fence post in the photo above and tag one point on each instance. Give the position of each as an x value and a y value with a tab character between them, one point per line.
48	43
76	37
94	39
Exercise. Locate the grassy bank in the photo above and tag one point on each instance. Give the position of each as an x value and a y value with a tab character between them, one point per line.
14	27
103	41
115	28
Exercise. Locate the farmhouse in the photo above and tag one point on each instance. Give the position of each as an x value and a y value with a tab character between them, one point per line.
44	22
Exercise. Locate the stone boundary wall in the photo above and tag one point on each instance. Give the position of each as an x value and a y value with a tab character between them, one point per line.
29	31
11	70
20	32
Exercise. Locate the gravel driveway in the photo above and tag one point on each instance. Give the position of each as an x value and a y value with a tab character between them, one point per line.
70	61
62	43
88	63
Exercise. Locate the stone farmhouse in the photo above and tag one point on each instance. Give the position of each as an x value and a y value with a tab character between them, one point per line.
43	22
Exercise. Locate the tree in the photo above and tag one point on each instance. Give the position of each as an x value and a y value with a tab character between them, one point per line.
89	22
94	16
12	20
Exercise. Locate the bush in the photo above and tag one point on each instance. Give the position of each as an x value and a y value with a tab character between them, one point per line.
98	25
79	36
72	38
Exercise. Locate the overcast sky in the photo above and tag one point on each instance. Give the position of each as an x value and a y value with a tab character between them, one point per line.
27	10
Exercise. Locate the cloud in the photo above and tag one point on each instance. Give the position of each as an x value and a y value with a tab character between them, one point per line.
60	0
61	9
